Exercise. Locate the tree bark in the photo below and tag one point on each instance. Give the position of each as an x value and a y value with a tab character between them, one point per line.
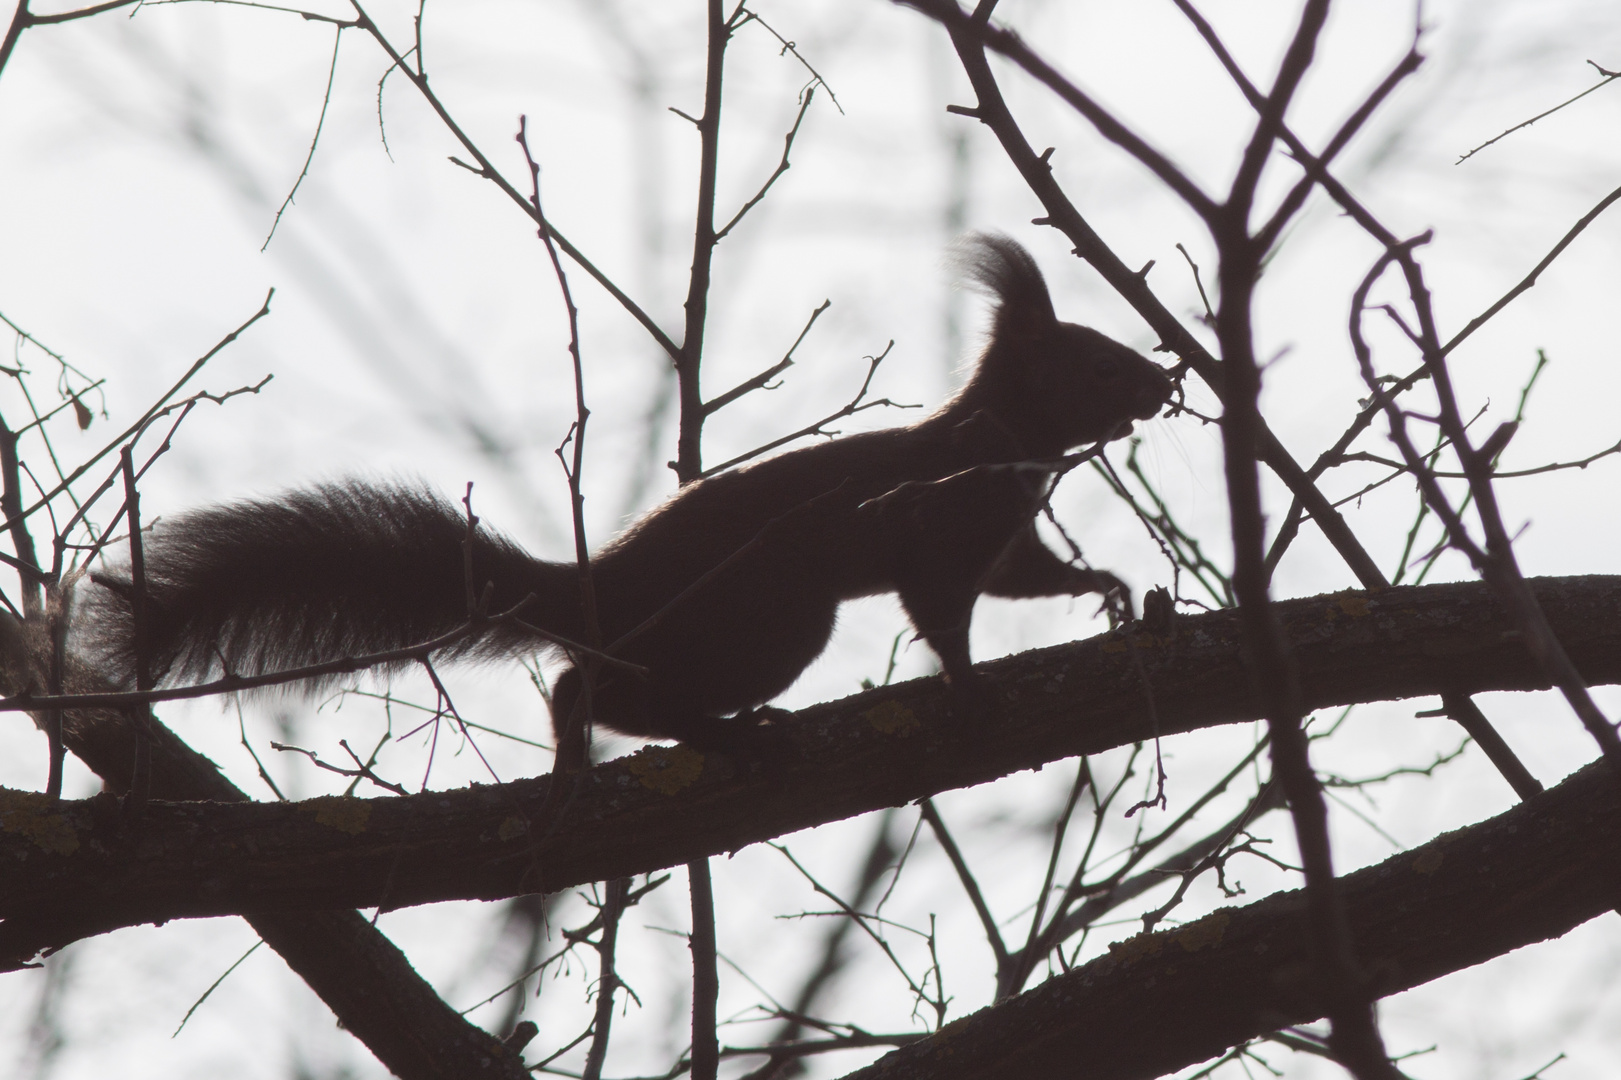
1159	1002
363	978
667	806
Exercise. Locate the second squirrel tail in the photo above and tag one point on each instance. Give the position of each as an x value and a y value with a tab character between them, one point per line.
316	575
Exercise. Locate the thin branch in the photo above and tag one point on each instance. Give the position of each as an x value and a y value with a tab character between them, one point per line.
1536	271
156	409
326	100
489	172
26	562
962	24
1062	214
1083	780
582	553
757	382
362	769
1497	563
1608	78
854	406
792	49
1328	518
1267	235
782	167
705	979
969	884
689	361
1355	1036
1296	60
613	906
1129	887
1389	391
865	922
1401	469
877	864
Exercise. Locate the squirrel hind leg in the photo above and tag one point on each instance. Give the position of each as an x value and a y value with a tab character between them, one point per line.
756	734
944	625
624	703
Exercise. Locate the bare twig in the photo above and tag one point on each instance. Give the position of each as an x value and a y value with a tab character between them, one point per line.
1062	214
689	360
855	405
1391	389
970	884
362	769
27	560
570	727
613	906
782	166
1495	561
152	411
326	100
705	979
1328	518
867	923
792	49
1607	77
488	171
1536	271
759	381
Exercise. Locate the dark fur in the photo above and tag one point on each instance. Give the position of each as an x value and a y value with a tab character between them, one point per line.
936	512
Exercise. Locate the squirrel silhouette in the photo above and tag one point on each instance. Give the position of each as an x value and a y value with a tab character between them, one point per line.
724	594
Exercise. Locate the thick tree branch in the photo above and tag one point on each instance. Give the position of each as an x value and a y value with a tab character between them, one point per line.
23	19
363	978
689	361
1354	1038
88	873
1533	873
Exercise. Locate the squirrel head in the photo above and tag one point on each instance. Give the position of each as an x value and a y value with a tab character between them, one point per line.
1054	384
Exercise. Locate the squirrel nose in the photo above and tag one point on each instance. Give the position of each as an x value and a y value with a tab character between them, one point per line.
1150	401
1152	397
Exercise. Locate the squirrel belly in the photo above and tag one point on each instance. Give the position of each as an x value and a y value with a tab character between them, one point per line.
724	594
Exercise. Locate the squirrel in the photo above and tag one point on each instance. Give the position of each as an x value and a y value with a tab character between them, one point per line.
724	594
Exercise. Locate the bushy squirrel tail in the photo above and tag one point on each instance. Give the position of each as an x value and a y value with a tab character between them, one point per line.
339	570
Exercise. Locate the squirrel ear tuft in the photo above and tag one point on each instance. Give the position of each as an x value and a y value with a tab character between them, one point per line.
997	265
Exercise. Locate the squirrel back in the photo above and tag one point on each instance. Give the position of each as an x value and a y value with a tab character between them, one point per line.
724	593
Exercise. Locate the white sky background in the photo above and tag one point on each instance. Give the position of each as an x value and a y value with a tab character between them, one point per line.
416	331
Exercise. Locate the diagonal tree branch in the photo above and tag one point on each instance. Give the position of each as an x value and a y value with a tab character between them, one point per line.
667	806
363	978
970	38
1158	1002
963	25
23	19
1132	285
